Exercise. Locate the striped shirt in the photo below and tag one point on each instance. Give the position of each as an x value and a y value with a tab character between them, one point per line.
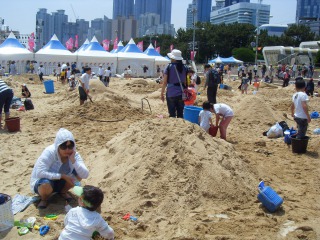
3	86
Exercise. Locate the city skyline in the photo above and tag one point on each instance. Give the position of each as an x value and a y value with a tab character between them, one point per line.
98	8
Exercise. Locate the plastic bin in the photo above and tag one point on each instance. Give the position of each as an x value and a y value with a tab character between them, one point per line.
49	86
299	145
6	215
13	124
191	113
221	86
269	198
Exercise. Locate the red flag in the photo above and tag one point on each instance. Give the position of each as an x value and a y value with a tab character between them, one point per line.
115	43
155	43
69	44
31	42
171	47
158	49
140	45
193	55
76	43
106	44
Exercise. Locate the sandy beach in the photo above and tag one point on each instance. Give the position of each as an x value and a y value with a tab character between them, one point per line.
179	182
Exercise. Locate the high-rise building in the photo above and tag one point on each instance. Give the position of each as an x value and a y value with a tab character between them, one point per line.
59	19
308	13
190	14
231	2
253	13
44	28
161	7
203	10
123	8
124	28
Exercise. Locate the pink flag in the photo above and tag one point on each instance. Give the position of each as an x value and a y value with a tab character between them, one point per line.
31	42
155	43
115	43
171	47
106	44
76	43
69	44
140	45
193	55
158	49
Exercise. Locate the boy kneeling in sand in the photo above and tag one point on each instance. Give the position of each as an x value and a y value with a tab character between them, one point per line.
82	221
225	112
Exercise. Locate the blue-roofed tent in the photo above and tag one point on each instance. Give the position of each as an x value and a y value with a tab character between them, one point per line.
12	49
53	53
133	56
94	55
120	47
225	60
83	47
150	51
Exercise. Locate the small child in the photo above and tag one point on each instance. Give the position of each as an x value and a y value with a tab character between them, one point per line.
205	116
256	83
299	108
224	111
82	221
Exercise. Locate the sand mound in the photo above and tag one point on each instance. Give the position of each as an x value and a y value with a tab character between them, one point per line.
161	170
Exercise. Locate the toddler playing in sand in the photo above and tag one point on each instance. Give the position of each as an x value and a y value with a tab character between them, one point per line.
205	116
82	221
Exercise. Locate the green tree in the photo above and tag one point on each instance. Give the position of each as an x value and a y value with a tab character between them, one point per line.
244	54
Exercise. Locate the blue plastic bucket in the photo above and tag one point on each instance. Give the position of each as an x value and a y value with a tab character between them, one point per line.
269	198
48	84
221	86
191	113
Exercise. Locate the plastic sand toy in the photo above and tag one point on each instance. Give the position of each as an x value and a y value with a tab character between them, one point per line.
51	217
23	231
44	230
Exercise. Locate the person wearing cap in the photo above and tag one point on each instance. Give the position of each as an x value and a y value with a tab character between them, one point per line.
25	91
58	168
6	95
174	80
82	221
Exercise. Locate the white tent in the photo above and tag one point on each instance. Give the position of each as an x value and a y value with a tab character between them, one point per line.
83	47
133	56
94	55
53	53
120	47
12	50
159	60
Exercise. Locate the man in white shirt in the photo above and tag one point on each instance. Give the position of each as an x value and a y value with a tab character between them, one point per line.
84	86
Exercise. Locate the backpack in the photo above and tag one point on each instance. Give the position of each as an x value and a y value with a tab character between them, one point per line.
198	80
28	105
214	78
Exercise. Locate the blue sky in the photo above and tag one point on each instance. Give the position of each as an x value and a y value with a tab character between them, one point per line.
20	14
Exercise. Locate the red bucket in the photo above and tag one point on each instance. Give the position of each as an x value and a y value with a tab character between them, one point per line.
213	130
13	124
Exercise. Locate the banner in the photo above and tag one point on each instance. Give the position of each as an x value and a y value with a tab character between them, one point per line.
106	44
193	55
140	45
158	49
171	47
76	43
31	42
115	43
69	44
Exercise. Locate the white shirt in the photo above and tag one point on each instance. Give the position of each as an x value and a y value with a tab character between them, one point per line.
223	109
297	100
107	73
80	223
100	71
85	78
205	117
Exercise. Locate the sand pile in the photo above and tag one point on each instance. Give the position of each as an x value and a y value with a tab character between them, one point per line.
162	170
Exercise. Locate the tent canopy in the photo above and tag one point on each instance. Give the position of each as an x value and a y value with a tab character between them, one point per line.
131	47
120	47
54	47
150	51
225	60
94	45
12	46
84	45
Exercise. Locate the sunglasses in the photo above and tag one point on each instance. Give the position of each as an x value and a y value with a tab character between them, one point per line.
65	145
